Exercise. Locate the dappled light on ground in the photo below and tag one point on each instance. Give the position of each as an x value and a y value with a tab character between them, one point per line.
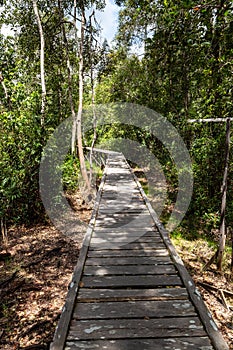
33	284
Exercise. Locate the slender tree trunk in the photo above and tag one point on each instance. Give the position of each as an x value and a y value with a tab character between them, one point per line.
74	124
222	239
3	219
60	96
75	17
80	107
5	91
4	232
218	256
185	84
92	96
94	121
42	69
70	80
231	253
216	48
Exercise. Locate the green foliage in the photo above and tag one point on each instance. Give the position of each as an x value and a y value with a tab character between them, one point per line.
20	148
185	73
22	135
70	173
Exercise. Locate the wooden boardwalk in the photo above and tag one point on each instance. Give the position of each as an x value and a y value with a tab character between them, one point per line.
130	290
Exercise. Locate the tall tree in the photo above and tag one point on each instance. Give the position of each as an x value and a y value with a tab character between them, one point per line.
42	61
84	32
80	106
69	73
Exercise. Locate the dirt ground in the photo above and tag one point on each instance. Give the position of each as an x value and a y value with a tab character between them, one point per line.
212	285
35	272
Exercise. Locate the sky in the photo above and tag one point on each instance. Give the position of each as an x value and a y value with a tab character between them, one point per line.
107	19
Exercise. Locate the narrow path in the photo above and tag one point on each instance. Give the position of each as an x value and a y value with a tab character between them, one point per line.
130	289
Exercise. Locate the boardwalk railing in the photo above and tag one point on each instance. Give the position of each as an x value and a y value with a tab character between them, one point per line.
130	289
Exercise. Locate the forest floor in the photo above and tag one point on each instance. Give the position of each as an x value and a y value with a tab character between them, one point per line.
35	275
213	286
34	279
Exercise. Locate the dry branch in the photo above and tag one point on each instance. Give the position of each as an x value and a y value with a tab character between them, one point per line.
221	292
211	261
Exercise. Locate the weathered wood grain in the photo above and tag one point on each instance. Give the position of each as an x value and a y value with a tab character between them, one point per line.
133	309
127	253
137	234
134	246
98	295
130	260
136	328
121	231
168	343
124	238
133	224
131	281
144	215
128	210
106	270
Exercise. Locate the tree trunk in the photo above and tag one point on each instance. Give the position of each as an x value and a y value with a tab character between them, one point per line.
222	239
216	48
218	256
80	107
231	253
4	232
94	122
42	69
5	91
70	80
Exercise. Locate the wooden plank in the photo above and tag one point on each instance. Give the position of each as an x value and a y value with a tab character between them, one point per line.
131	281
98	295
140	237
149	260
137	232
126	203
106	270
145	217
105	210
104	151
136	328
133	246
127	208
144	214
123	224
121	189
127	253
123	239
168	343
133	309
